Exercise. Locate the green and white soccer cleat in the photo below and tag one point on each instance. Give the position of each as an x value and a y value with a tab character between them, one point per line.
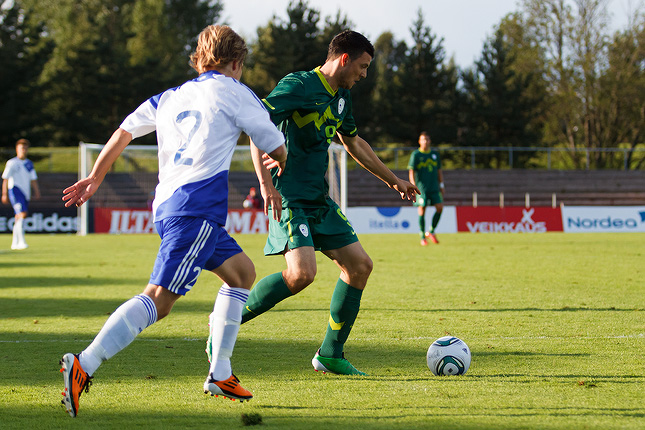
209	347
339	366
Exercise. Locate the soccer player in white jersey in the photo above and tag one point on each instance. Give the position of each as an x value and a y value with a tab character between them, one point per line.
18	179
197	125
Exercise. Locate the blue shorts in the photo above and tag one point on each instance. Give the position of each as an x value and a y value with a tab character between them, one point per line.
189	245
18	200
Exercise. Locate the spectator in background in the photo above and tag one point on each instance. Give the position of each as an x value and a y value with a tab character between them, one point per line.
253	200
18	179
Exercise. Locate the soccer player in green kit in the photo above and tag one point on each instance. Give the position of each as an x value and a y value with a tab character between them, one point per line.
425	172
310	108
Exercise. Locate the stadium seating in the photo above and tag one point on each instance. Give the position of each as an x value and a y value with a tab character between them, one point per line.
571	187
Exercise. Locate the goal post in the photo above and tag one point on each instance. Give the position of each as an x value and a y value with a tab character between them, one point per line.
130	182
133	177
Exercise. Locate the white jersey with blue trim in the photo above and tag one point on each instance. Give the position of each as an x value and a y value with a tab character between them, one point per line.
19	173
198	124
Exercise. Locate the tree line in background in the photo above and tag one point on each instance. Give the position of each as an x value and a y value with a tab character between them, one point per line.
550	76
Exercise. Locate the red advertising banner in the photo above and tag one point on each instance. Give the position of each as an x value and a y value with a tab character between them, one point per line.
123	221
136	221
492	219
246	221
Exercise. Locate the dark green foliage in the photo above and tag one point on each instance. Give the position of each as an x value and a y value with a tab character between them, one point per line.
499	109
551	76
23	52
96	62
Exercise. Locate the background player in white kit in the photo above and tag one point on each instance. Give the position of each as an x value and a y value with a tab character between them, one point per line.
18	179
197	124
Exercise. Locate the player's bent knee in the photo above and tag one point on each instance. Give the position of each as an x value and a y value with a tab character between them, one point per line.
299	280
162	298
365	266
245	278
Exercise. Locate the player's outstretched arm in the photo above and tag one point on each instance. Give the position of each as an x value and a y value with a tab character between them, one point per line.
36	189
262	162
5	191
362	152
81	191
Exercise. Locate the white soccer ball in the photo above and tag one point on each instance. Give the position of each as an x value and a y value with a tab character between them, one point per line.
448	355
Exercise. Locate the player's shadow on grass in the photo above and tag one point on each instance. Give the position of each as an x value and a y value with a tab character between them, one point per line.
87	281
57	307
562	309
24	264
528	354
90	307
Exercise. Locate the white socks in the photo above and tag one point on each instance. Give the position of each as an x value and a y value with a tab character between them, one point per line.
18	240
224	324
129	319
119	331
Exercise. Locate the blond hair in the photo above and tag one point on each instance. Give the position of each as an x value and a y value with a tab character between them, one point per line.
217	45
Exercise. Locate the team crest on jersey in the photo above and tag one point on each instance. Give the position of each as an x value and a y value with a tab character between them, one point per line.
434	156
304	230
341	105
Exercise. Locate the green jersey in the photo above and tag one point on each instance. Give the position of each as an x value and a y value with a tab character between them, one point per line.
426	167
309	113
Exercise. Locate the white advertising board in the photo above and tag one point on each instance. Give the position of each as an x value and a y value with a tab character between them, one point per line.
605	219
398	219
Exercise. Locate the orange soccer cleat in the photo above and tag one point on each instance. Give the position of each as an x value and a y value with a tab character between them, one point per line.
432	237
230	388
76	381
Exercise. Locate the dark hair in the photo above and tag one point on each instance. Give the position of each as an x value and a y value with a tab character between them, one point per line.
23	142
351	43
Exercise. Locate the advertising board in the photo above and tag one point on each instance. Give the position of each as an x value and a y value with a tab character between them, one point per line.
606	219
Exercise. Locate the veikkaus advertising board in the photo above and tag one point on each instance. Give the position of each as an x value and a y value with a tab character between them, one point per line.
491	219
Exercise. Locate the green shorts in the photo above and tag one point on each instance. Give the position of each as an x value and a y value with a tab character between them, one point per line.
324	228
428	198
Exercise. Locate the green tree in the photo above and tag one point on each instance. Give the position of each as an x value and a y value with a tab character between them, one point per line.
23	51
572	37
504	98
386	103
621	99
428	93
110	55
285	46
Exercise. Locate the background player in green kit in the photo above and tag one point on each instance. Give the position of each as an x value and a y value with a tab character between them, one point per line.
425	172
311	108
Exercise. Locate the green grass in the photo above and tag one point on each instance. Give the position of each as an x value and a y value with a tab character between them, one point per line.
555	323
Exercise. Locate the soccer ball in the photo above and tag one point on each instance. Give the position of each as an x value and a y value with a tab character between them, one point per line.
448	355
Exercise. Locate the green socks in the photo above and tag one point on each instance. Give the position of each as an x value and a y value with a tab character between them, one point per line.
435	220
267	293
422	225
345	303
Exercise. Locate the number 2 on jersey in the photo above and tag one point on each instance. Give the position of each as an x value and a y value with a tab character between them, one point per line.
179	159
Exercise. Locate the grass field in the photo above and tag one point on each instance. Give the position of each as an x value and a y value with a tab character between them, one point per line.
555	323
